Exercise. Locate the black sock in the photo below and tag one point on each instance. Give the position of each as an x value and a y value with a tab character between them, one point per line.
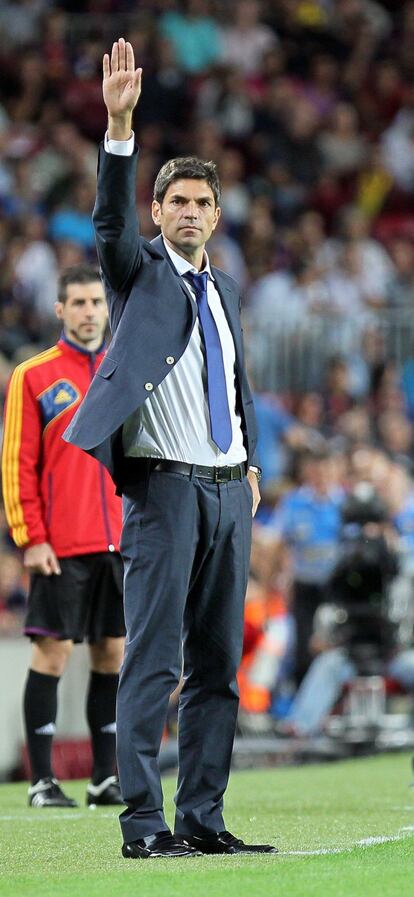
40	709
100	712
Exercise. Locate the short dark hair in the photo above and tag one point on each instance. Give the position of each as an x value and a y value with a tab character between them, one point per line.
76	274
186	167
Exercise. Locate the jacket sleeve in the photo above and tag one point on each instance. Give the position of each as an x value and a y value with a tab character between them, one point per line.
22	446
115	219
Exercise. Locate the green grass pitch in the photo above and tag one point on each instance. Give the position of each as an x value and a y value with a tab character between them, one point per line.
343	830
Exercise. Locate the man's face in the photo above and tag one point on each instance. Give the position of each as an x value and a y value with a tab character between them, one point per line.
187	215
84	314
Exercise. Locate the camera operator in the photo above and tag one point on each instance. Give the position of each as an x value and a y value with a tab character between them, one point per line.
354	634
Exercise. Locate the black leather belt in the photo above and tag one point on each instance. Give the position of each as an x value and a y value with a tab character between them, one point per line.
211	474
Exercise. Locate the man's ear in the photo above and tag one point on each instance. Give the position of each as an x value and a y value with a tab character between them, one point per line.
217	214
156	212
59	310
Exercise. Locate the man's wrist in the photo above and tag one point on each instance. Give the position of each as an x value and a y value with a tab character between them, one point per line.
120	128
257	471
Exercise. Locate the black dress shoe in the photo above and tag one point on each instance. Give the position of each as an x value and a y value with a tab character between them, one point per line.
223	842
162	844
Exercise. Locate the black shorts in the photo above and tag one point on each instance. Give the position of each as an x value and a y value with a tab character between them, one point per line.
85	601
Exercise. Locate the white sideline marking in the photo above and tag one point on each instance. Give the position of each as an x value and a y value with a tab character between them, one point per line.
405	832
37	816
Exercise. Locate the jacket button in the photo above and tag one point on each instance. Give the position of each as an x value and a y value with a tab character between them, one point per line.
149	387
169	359
111	547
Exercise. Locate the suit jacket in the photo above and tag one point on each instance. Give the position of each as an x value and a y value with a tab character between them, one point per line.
151	318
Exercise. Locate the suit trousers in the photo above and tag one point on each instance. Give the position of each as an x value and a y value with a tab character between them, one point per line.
186	550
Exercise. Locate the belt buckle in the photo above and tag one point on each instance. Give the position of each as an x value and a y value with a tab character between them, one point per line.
218	472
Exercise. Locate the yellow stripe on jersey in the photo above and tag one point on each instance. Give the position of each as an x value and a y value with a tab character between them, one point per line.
12	444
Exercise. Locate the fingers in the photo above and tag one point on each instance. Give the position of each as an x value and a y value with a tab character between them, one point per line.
122	58
137	79
54	565
130	61
115	57
121	54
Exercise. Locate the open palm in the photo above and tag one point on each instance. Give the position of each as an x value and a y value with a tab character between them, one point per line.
121	81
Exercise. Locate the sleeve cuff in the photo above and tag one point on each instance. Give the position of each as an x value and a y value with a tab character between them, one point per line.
119	147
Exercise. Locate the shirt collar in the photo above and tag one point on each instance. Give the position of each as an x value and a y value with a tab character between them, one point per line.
65	339
183	266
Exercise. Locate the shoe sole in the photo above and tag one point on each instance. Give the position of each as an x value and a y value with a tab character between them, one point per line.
232	851
153	855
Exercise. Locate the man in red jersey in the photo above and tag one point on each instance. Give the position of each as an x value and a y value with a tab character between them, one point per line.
62	510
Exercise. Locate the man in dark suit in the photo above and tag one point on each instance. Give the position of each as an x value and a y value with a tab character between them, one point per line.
170	413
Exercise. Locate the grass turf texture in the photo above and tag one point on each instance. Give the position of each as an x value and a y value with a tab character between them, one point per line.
57	853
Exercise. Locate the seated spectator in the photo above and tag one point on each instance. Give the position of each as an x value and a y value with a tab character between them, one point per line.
307	522
320	86
354	427
398	150
336	396
382	95
277	432
166	99
246	39
373	184
395	433
226	99
73	220
194	35
354	227
37	267
400	287
235	198
308	238
308	410
386	393
342	146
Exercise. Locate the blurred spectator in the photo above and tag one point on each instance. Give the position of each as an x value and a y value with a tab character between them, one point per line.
226	99
400	287
82	95
398	149
235	199
342	146
307	521
395	435
247	39
20	21
194	35
36	267
277	430
336	396
73	221
166	99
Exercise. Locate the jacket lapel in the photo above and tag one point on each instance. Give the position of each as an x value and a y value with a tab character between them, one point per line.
158	244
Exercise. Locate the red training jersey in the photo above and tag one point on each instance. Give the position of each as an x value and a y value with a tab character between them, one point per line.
54	492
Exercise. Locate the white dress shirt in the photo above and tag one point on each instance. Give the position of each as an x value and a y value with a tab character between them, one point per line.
174	421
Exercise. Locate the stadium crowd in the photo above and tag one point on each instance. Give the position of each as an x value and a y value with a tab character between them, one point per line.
307	106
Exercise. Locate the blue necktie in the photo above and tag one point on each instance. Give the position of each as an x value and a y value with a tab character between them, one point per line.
220	421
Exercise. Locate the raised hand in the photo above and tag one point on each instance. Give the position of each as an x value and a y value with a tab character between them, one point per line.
121	82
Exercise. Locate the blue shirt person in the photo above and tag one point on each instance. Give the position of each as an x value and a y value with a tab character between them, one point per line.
308	522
